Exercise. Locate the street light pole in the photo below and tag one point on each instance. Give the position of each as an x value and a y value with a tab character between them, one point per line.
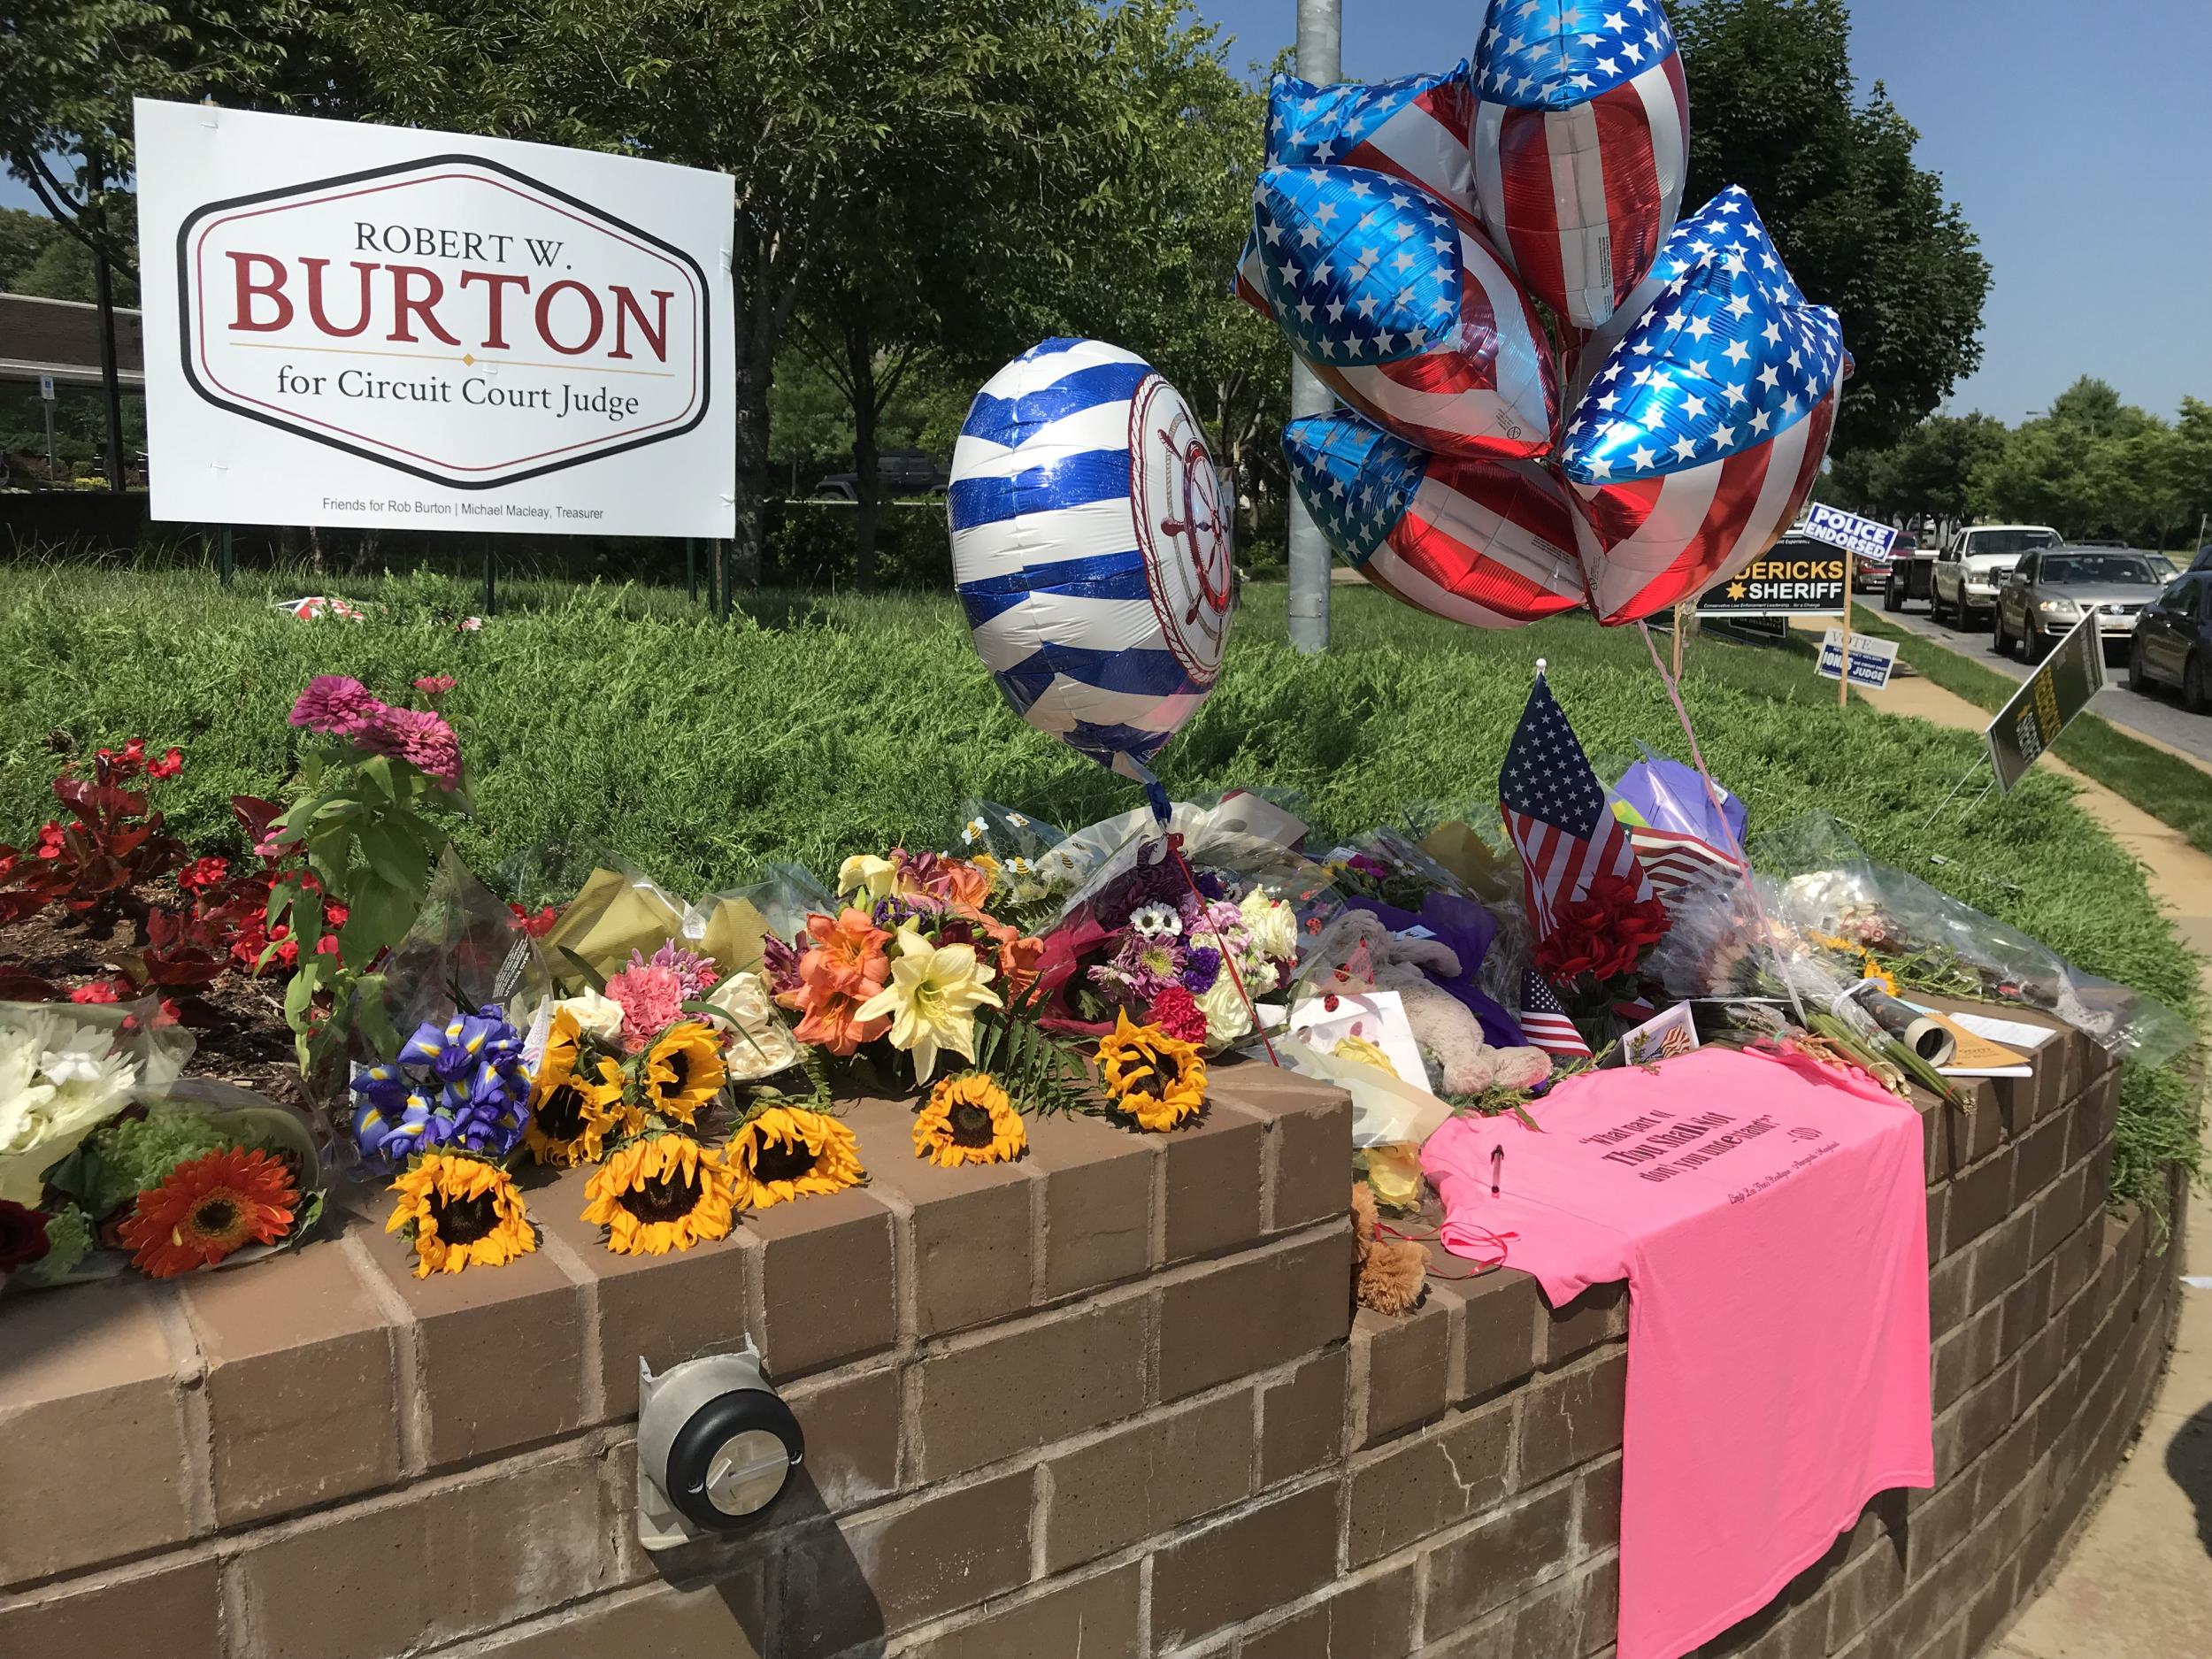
1320	59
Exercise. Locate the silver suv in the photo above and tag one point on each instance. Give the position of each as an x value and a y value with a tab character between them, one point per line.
2052	589
1968	573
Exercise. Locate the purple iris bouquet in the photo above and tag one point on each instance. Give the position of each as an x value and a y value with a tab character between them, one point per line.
459	1084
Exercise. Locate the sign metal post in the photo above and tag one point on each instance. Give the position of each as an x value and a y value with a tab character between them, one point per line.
46	402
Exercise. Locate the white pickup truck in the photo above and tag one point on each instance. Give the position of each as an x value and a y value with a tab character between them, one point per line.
1973	564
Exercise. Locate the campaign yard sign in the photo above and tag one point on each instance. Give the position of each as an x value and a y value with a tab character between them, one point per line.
2061	688
1872	659
1797	577
1863	537
375	326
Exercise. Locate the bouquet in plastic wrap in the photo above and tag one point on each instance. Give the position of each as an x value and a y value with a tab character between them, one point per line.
65	1068
190	1174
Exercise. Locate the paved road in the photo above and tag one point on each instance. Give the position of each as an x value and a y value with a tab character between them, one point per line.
2159	715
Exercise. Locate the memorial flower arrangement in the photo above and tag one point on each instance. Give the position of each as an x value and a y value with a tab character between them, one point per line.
1154	1080
662	1190
784	1150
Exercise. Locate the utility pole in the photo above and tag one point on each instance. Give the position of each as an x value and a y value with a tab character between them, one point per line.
1320	59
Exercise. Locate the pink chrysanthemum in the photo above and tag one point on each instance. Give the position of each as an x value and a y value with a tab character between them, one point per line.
652	1000
421	738
337	705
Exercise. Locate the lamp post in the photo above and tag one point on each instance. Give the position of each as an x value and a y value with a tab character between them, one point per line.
1320	36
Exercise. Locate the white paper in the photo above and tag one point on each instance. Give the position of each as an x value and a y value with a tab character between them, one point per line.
1379	1016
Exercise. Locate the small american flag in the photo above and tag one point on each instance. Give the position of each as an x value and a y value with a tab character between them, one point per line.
1545	1023
1673	859
1558	815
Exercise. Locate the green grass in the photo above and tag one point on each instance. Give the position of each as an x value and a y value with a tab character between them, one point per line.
2166	786
625	722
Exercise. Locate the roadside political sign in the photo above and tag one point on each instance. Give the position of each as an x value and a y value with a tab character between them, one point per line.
1797	577
2061	688
1872	659
357	325
1865	537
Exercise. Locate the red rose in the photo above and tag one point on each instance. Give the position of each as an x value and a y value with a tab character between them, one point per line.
22	1235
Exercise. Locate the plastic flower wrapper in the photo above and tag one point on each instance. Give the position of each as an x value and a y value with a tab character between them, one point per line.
1830	890
1668	795
1489	872
619	910
197	1173
66	1067
1031	876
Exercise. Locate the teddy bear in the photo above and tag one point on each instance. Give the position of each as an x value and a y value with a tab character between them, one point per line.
1365	955
1388	1275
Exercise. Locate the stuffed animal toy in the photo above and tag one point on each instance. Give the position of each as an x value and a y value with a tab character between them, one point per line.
1367	955
1388	1275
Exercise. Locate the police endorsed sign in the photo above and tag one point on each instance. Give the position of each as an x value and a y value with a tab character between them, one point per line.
1864	537
357	325
1799	578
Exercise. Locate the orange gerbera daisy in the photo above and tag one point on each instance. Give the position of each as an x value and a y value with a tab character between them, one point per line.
207	1206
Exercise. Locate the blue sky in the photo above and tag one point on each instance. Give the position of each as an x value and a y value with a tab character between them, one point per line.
2076	137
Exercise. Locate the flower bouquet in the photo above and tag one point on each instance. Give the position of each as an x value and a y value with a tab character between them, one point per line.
64	1070
200	1174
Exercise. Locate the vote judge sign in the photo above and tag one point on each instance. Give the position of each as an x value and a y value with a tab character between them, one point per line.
364	325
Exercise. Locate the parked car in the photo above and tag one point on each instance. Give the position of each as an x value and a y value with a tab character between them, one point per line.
2173	641
2052	589
902	473
1963	584
1870	572
2164	564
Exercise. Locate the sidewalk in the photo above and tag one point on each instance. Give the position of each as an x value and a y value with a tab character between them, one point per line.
2138	1583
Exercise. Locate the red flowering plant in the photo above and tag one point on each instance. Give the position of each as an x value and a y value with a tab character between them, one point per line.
1597	944
112	843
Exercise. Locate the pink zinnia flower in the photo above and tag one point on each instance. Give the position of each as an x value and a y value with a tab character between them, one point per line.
652	1000
421	738
336	705
697	974
435	685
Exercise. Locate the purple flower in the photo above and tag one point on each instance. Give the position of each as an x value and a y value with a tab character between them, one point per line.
1141	969
1202	966
336	705
779	965
421	738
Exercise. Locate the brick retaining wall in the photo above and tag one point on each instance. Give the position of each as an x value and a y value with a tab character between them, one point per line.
1109	1401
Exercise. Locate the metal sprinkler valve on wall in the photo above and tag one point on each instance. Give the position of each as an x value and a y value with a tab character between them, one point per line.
717	1446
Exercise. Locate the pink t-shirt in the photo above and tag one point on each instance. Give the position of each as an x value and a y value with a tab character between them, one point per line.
1771	1222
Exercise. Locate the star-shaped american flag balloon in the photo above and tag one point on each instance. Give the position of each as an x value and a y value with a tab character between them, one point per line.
1413	128
1480	541
1580	142
1397	303
1697	440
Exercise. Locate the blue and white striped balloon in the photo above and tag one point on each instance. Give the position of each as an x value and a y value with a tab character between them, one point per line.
1091	548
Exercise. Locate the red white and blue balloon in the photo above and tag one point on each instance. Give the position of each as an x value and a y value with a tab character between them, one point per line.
1698	441
1413	128
1483	541
1580	141
1397	305
1090	549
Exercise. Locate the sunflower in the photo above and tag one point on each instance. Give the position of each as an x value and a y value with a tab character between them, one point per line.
207	1206
570	1117
661	1192
462	1211
786	1152
1155	1078
683	1071
968	1120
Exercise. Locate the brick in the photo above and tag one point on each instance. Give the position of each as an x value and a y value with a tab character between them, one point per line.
88	1407
1097	1182
442	1563
1436	1480
2058	1212
1310	1136
2041	1156
828	1290
884	1573
724	1620
1238	1568
1504	1315
662	1308
1370	1619
1302	1418
1211	1182
1402	1364
1255	1312
1019	1387
499	1356
1599	1314
1860	1591
1598	1514
1153	1475
1572	1417
1979	1199
1091	1616
302	1389
2001	1260
851	1424
173	1607
1576	1614
969	1231
2026	1306
1949	1284
1939	1208
1498	1562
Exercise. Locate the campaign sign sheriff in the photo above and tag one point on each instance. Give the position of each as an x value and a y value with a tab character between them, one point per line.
1797	577
373	326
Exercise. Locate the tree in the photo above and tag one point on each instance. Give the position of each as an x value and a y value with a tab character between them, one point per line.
24	237
1864	227
1931	471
